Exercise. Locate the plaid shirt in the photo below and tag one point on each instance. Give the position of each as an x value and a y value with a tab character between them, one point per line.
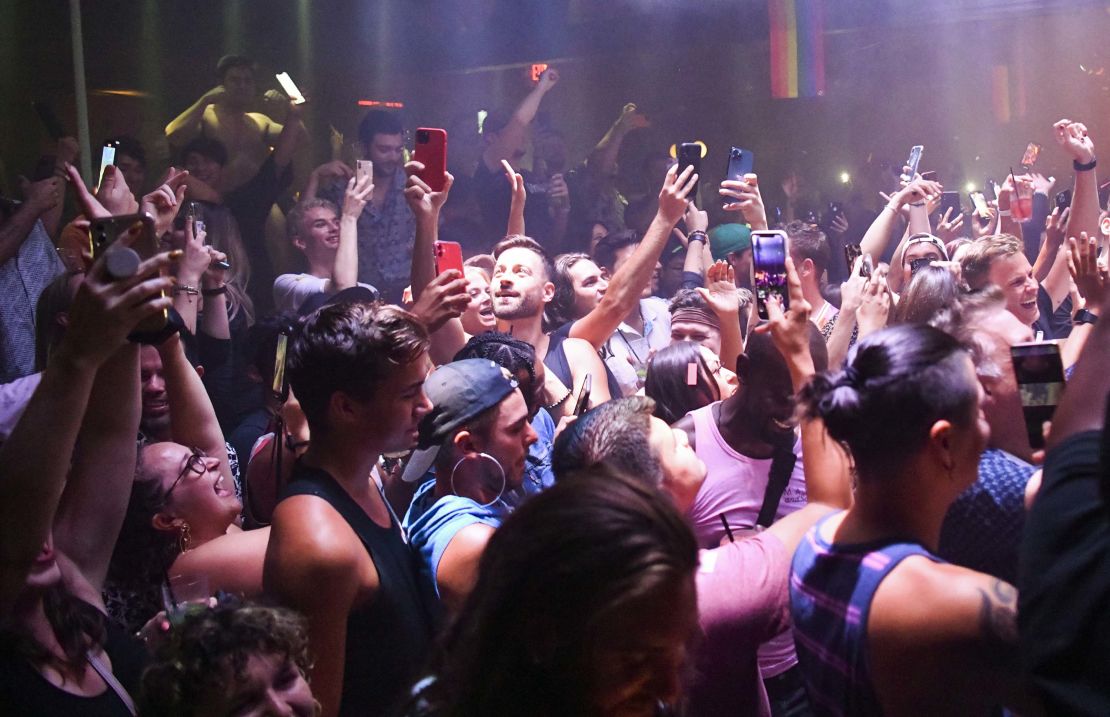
22	280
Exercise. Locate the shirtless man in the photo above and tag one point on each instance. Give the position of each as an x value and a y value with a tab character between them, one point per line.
223	113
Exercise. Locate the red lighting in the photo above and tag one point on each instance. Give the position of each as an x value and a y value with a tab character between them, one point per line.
381	103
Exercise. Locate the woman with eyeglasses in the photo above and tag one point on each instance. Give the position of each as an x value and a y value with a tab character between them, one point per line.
181	534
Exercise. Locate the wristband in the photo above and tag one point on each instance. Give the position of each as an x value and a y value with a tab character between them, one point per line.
186	289
1085	316
698	235
1083	167
918	204
218	291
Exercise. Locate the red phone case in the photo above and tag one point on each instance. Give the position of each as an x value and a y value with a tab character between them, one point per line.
448	256
431	151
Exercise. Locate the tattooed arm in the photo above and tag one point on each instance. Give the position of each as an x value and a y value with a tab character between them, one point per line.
944	640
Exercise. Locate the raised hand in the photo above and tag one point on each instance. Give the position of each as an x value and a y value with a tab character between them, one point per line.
696	220
749	201
548	79
839	225
558	194
1056	224
672	197
919	190
631	118
1090	277
425	203
105	311
875	305
215	96
789	329
1041	184
444	298
516	183
195	256
948	228
334	168
1073	137
114	194
358	193
979	230
851	291
720	290
43	195
163	202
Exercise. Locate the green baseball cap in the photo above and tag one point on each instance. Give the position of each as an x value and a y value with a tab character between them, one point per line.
725	239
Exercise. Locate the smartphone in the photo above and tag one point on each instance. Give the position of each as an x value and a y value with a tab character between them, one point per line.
49	120
689	155
914	160
990	190
107	156
364	168
448	256
931	176
1039	371
1063	199
740	162
832	211
583	401
290	88
950	200
431	151
917	264
1032	151
279	387
979	203
769	268
103	234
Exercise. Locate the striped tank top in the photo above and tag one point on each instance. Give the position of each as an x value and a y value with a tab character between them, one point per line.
831	588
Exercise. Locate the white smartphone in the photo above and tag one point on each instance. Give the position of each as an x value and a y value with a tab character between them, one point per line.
290	88
107	156
363	168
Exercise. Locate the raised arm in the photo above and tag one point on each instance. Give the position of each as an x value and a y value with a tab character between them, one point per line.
722	296
38	199
186	125
744	197
345	271
520	196
877	237
511	137
290	136
1055	226
827	475
192	418
35	460
1073	137
99	486
628	283
1083	407
325	173
603	159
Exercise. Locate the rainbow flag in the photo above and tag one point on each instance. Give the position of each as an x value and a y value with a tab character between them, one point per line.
797	48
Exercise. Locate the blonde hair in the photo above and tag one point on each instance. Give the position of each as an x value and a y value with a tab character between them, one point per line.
977	257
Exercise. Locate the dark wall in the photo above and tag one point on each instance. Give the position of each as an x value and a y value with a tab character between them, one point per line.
700	70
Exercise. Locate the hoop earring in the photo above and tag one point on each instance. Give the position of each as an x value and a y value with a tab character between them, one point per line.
184	538
500	469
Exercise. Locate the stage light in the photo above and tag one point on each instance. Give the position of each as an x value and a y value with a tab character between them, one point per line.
698	142
970	187
538	69
381	103
845	178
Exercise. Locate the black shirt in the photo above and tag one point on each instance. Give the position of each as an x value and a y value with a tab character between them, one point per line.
388	639
250	204
1064	581
495	198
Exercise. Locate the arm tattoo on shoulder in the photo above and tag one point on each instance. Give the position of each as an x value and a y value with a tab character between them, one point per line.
998	614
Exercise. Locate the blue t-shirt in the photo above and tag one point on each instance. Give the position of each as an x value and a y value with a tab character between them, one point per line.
432	523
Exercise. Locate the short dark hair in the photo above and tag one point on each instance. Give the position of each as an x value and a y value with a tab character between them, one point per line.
519	241
668	384
615	435
605	254
128	145
898	382
807	241
350	347
212	149
379	122
687	299
230	62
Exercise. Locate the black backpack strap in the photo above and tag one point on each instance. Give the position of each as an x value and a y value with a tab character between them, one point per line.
782	466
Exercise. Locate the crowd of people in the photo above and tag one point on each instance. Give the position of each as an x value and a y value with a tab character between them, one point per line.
600	470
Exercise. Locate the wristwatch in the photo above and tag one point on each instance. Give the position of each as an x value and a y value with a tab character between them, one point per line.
1085	316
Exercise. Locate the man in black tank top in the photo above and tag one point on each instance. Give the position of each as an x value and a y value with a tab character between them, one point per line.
335	552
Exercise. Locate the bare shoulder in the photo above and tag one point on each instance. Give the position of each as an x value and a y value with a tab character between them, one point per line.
579	348
686	425
309	540
927	603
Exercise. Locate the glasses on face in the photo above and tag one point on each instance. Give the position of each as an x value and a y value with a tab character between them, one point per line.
193	464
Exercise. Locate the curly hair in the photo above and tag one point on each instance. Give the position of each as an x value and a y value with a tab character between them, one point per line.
211	647
561	308
516	356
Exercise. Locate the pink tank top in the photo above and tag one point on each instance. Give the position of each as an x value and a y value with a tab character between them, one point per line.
734	487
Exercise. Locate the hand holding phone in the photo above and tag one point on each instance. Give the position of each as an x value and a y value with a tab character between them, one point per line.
279	387
290	88
583	401
1039	371
431	151
689	155
740	162
769	269
913	162
448	257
